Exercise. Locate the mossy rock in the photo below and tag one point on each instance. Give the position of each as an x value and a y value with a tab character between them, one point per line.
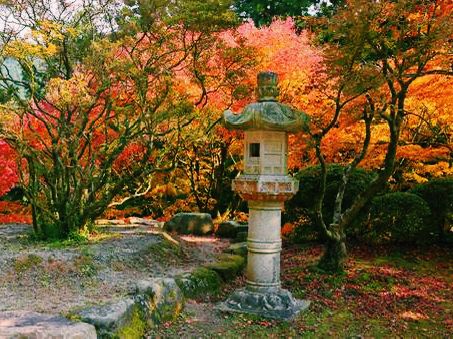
120	319
164	252
230	229
200	281
239	248
161	299
241	237
228	266
243	228
227	229
190	223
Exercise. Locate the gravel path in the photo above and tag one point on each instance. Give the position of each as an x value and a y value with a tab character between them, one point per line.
44	278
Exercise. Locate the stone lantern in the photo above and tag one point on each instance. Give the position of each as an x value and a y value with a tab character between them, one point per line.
265	184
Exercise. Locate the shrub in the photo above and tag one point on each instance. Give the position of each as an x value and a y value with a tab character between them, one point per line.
397	218
438	194
301	206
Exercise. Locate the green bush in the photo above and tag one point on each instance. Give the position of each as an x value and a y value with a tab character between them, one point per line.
302	205
438	194
397	218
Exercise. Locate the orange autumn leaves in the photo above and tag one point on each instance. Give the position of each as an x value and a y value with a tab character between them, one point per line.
426	136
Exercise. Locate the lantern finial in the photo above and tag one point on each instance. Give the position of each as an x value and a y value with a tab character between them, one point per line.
267	89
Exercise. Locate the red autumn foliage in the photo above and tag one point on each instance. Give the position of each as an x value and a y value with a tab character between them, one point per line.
8	170
13	212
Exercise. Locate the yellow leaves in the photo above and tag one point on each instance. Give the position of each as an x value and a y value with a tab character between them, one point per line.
440	169
51	28
72	92
411	176
24	50
421	173
41	42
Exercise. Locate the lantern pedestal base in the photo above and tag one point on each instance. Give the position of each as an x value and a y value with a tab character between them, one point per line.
275	303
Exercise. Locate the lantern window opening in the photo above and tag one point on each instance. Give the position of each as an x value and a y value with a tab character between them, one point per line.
254	150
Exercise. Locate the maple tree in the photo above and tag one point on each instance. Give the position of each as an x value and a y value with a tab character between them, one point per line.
378	54
103	108
210	155
8	171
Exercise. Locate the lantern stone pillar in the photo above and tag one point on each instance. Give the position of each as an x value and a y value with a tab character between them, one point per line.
265	184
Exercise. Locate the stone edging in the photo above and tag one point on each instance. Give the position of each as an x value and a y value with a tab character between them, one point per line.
154	301
160	299
210	277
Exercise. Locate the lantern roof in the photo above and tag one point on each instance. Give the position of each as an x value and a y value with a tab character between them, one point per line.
267	113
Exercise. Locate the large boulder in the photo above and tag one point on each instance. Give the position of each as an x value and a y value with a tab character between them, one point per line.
24	324
190	223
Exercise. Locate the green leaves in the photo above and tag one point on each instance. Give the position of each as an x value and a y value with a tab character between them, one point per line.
194	15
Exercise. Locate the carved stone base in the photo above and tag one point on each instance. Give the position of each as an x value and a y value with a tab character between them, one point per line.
274	303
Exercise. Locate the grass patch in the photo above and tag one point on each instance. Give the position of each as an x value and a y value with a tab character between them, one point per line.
25	263
85	264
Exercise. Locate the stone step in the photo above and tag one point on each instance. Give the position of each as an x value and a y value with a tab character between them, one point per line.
25	324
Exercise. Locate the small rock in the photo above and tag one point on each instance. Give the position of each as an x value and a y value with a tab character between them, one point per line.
201	281
24	324
190	223
230	229
243	228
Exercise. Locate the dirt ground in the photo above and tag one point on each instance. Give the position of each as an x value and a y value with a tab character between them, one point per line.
385	292
62	277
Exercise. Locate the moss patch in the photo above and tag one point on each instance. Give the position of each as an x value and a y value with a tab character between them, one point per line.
228	266
201	281
239	248
135	327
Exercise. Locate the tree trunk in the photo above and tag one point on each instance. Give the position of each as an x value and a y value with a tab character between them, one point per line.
34	216
334	256
335	253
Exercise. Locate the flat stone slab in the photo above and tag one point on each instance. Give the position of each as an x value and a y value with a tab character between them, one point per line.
109	222
142	221
24	324
108	316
